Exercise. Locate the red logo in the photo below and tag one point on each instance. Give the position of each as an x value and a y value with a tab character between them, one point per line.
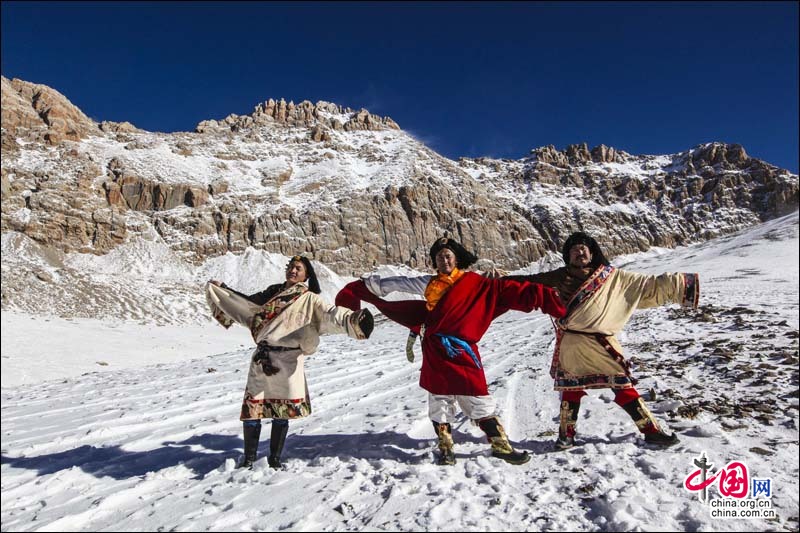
733	479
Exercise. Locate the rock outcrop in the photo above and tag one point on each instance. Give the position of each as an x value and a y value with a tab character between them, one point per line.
352	190
321	116
39	112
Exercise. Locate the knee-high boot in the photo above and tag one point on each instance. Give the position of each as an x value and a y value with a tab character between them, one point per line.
568	420
277	438
501	448
444	431
647	424
252	432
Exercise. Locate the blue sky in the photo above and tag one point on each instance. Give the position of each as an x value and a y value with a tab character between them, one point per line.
468	79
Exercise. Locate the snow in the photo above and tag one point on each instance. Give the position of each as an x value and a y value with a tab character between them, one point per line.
149	441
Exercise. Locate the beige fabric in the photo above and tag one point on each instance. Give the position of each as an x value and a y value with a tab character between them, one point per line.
298	326
606	312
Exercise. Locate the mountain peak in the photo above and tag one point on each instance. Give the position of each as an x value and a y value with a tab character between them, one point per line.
40	112
322	115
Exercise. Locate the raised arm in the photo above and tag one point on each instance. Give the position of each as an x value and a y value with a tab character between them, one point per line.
383	286
259	298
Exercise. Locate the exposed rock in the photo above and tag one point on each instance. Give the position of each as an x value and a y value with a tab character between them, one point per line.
38	110
81	199
118	127
320	115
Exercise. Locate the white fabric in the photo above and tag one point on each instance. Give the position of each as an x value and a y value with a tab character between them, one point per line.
383	286
442	408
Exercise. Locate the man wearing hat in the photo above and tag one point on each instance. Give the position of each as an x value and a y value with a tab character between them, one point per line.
458	308
600	299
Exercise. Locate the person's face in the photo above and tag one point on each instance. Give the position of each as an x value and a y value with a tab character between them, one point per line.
295	273
580	256
445	261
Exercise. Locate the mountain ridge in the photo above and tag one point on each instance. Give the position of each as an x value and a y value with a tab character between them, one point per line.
295	178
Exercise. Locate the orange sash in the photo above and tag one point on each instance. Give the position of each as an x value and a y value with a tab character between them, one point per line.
438	287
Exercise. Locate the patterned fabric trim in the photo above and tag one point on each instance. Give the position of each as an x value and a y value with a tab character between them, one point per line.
275	307
589	287
285	409
691	290
554	363
593	381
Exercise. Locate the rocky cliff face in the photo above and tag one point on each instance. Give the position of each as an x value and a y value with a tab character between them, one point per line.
351	189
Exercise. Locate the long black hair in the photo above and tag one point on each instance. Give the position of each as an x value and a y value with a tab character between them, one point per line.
311	276
579	237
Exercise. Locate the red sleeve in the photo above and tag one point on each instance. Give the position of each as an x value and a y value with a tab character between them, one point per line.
409	313
526	296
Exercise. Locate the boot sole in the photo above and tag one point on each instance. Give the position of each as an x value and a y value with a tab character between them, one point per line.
514	462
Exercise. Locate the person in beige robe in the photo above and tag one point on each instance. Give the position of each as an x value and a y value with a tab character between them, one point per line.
600	300
286	321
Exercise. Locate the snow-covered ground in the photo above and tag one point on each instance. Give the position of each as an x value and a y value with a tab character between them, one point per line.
148	442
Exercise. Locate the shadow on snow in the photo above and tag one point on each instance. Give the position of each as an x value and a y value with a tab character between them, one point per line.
204	453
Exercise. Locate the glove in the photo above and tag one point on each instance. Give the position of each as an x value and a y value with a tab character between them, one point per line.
412	338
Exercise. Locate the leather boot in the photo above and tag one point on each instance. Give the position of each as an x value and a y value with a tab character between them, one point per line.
252	432
447	454
501	448
566	427
277	438
647	424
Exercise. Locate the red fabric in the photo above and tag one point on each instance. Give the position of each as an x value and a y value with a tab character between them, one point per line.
572	395
621	396
466	312
625	396
408	313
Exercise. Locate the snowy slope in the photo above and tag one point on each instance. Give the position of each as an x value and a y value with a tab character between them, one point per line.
153	447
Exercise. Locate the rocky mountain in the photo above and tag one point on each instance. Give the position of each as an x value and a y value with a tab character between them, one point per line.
348	188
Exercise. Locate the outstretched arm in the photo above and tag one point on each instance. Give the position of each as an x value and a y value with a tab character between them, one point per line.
526	296
383	286
653	291
409	313
228	306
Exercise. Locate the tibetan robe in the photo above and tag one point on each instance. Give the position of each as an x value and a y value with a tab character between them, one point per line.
587	353
285	334
459	320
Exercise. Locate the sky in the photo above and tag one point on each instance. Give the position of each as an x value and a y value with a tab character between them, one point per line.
469	79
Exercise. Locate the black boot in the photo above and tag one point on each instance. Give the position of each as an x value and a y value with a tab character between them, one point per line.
566	427
447	454
647	424
252	432
501	448
278	436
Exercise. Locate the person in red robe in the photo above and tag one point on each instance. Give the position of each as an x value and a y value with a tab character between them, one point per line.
458	308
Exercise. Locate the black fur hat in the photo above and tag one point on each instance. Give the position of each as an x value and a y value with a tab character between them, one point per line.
463	258
311	276
579	237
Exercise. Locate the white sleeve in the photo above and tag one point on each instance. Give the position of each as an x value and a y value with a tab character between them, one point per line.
383	286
